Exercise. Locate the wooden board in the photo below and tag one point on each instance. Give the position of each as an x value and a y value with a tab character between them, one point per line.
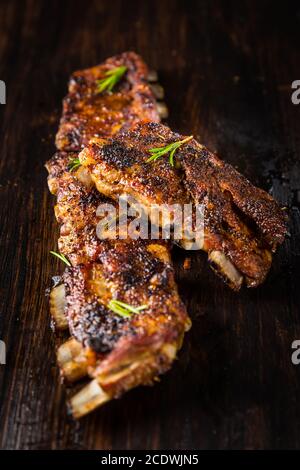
227	68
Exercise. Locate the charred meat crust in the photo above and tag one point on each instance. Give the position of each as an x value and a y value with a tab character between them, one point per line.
88	113
241	221
75	211
89	289
125	166
223	179
136	271
120	353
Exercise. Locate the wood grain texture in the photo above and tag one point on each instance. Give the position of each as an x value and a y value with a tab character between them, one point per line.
227	69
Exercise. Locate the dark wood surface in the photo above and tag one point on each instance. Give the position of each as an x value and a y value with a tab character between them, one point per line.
227	68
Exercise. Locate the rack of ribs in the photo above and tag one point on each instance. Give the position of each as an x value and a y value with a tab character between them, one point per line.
242	224
111	137
116	352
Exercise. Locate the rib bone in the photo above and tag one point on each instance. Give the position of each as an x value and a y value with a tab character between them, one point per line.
89	398
72	360
57	307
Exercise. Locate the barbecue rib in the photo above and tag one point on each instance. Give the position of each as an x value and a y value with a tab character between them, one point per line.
88	113
242	224
118	353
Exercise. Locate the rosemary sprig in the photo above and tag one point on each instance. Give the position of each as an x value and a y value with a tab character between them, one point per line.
74	163
113	76
158	152
124	310
61	257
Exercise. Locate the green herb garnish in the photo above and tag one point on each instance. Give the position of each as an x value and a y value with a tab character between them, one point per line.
74	163
124	310
113	76
158	152
61	257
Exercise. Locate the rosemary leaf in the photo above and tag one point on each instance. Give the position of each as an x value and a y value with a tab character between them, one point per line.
61	257
112	77
74	163
124	310
170	149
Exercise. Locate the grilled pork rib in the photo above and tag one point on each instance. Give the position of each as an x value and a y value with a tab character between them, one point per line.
75	209
126	351
118	353
242	224
88	113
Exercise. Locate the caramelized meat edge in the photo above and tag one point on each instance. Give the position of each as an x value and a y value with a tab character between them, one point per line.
87	113
120	353
242	224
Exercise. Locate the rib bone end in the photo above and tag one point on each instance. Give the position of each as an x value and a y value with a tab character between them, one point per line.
89	398
57	307
224	267
72	360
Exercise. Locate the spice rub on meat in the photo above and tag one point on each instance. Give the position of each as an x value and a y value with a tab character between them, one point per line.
118	348
75	209
117	352
132	351
242	224
118	297
88	112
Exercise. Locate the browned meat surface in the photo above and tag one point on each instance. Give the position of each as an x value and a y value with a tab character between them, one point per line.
89	113
242	224
75	209
137	274
119	353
